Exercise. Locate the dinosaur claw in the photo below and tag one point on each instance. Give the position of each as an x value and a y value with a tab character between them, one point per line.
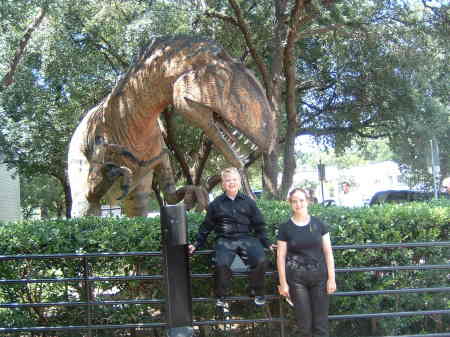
125	189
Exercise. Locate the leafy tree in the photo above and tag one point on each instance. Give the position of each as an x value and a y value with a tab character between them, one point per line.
426	68
43	194
358	153
334	68
13	16
337	70
71	62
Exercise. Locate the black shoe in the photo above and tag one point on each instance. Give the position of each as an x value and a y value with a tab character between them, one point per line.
220	302
260	301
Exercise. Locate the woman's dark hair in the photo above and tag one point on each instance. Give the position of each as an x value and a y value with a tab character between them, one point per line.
304	191
298	189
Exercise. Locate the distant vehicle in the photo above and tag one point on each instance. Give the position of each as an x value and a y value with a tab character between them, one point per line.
153	214
258	193
328	202
397	196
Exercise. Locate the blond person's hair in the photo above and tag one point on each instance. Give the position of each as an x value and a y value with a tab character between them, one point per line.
230	170
446	182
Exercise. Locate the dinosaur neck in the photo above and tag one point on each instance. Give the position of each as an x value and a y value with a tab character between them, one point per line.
137	130
129	115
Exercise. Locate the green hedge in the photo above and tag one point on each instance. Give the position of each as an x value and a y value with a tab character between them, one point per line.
413	222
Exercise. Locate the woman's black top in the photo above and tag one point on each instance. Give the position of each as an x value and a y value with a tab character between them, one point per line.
304	241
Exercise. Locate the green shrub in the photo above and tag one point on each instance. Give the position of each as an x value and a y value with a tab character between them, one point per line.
412	222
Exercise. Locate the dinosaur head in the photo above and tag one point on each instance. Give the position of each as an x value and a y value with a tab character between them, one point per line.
230	106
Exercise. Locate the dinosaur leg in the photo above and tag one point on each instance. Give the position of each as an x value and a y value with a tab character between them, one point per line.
192	195
137	201
81	206
80	174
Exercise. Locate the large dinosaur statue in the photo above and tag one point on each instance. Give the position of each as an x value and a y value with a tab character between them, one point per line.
118	145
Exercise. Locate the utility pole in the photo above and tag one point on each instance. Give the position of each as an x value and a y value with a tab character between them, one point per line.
321	170
435	166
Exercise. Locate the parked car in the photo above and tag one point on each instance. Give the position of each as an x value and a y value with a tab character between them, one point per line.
396	196
329	202
258	193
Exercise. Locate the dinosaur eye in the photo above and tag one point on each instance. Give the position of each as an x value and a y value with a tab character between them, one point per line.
98	140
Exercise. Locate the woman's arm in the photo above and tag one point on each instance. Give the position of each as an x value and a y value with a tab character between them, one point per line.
329	260
281	266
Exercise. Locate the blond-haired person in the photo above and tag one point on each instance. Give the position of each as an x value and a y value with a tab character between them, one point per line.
306	266
240	229
446	185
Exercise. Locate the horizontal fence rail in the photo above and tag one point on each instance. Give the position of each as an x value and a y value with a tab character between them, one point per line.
87	280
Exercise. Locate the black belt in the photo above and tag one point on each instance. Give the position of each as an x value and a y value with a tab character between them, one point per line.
241	228
302	261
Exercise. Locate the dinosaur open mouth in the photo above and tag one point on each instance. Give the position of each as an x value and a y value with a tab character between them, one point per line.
238	143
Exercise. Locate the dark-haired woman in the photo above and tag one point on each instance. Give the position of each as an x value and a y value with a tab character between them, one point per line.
306	266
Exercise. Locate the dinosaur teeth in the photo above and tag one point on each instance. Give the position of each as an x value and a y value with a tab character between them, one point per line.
235	139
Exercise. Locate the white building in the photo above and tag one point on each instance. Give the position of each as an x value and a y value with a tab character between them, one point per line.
9	195
375	177
366	180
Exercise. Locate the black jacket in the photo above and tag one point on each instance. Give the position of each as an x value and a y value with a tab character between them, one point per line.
232	219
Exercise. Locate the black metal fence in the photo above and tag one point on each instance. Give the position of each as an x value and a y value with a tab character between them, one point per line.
88	277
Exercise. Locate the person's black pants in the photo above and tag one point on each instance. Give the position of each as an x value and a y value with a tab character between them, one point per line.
308	291
251	251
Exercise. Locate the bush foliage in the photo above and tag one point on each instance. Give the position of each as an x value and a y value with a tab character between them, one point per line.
412	222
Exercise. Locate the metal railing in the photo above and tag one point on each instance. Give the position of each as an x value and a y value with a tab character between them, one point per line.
87	279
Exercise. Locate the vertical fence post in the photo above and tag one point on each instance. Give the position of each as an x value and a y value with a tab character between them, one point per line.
176	271
87	289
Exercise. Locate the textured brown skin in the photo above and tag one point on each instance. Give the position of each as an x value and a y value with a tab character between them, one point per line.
118	144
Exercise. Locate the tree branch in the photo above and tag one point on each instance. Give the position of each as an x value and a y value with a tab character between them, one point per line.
226	18
250	45
340	129
204	155
171	143
94	37
8	79
111	49
322	30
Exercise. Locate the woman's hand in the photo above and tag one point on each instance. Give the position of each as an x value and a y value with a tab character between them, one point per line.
283	290
331	286
191	249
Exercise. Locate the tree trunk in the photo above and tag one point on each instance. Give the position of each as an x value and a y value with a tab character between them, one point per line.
212	182
289	164
157	192
270	174
271	167
201	161
246	184
67	195
444	157
290	73
44	212
171	144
